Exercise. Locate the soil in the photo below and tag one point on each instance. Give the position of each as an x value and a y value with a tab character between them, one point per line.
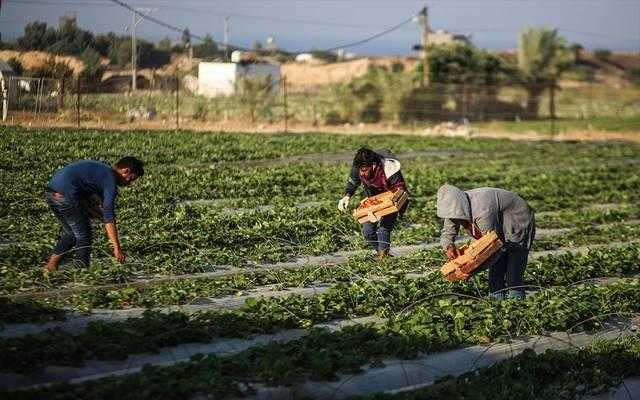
310	76
102	122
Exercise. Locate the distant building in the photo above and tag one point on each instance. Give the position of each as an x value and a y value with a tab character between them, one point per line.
444	37
305	58
217	78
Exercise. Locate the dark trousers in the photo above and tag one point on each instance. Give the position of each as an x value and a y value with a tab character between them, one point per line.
76	228
505	275
378	234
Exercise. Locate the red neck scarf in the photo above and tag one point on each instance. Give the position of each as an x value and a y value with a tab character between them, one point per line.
473	231
379	179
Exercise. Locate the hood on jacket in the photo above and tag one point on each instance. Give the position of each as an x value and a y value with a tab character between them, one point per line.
453	203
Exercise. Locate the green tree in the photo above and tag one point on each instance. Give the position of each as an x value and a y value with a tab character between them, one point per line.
104	42
37	36
71	39
206	49
254	95
93	68
164	44
542	58
394	86
120	53
467	75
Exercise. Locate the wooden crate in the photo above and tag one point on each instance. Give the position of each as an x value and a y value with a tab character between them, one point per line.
472	257
375	207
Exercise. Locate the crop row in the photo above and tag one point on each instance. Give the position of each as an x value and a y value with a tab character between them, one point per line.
551	270
436	324
189	239
554	374
395	298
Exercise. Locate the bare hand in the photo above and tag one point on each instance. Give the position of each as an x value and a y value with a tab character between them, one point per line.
452	252
119	255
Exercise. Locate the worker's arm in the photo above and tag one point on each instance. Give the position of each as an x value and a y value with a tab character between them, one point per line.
112	234
448	238
109	195
353	182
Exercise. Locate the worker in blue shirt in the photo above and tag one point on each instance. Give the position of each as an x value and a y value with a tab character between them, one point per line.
70	191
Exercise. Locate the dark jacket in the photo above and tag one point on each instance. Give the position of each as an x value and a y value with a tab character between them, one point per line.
392	178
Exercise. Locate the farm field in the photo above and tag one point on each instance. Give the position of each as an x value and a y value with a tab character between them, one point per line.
243	279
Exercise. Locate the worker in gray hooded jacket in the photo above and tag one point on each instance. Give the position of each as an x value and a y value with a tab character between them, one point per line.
490	209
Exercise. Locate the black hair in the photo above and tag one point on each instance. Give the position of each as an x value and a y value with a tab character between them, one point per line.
136	166
365	156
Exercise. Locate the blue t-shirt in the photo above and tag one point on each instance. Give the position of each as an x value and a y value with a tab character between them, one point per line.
81	179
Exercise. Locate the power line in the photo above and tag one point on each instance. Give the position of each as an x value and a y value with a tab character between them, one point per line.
177	29
202	11
370	38
169	26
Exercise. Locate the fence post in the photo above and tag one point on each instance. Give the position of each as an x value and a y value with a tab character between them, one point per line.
286	106
177	103
78	102
5	97
37	99
61	94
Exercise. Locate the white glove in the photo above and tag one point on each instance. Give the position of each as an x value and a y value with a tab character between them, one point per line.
344	203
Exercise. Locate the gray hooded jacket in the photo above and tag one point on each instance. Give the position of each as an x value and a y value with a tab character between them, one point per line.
491	209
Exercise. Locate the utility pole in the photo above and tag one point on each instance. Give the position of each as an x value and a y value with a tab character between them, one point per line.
137	17
226	37
134	58
423	20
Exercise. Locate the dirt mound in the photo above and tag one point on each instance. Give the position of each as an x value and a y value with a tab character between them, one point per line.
35	59
306	76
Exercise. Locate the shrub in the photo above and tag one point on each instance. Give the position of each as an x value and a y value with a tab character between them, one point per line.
51	69
254	95
93	68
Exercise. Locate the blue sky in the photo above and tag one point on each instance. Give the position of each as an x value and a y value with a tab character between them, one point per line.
306	24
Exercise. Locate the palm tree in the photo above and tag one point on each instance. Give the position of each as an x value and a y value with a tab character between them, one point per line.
542	57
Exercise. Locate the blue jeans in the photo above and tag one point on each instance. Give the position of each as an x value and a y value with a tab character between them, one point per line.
505	275
378	234
76	228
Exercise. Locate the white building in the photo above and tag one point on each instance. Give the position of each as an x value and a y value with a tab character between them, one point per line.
216	79
444	37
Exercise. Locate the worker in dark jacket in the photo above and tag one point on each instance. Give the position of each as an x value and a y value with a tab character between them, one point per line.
486	209
70	191
377	171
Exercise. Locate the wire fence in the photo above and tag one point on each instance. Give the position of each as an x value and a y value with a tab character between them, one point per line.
35	95
173	102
